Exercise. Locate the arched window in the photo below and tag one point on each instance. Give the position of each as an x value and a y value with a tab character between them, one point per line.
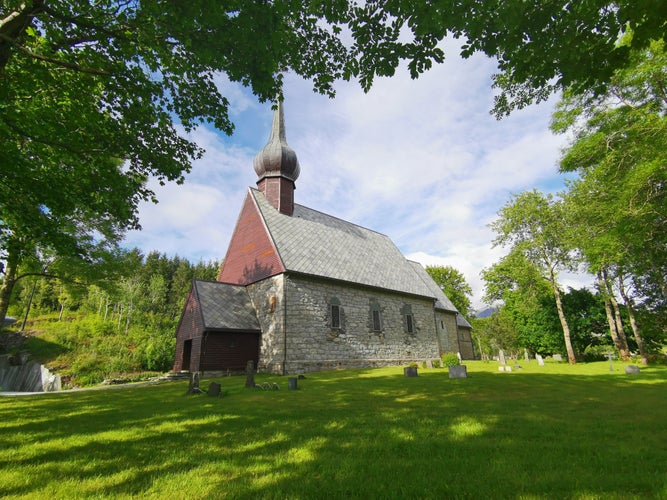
375	316
334	313
408	319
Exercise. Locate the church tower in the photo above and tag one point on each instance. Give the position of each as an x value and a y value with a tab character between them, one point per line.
277	167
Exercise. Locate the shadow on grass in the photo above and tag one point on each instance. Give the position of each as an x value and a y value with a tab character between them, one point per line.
351	434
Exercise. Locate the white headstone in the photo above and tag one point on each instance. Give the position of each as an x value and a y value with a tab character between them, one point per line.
501	356
539	359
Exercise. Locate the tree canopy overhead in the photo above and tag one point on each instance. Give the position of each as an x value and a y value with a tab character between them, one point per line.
98	97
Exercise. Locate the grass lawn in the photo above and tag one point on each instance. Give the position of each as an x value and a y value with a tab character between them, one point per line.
556	431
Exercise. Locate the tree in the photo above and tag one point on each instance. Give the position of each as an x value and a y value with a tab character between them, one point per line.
619	200
540	46
534	226
86	85
496	332
526	302
454	285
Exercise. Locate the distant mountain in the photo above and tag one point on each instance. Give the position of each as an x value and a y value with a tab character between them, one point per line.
485	313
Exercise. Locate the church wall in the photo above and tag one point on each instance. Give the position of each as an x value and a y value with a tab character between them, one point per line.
447	331
251	255
267	297
190	327
313	345
466	345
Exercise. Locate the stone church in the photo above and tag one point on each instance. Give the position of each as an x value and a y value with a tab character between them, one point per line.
302	291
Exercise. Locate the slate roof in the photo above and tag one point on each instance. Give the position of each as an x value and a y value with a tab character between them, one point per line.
225	307
317	244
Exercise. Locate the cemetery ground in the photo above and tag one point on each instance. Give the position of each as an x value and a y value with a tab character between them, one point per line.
553	431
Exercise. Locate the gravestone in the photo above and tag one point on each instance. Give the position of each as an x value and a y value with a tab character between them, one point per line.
459	371
501	357
193	387
214	389
632	370
250	374
292	383
429	363
557	357
526	356
539	359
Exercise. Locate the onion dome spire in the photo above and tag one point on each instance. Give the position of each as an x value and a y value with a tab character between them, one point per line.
277	167
277	159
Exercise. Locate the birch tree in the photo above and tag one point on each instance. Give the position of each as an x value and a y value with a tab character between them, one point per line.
533	224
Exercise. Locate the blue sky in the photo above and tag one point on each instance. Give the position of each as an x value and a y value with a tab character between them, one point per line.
421	161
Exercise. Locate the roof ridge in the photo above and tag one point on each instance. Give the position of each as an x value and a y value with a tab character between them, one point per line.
326	215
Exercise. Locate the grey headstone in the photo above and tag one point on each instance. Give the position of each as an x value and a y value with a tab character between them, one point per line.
459	371
214	389
632	369
557	357
250	374
501	357
539	359
193	387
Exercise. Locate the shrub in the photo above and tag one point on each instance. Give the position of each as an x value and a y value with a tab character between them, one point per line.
450	359
598	352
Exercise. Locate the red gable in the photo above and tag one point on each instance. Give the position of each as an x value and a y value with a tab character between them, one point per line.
251	255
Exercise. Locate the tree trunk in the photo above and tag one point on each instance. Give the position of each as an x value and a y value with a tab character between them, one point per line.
563	322
633	322
624	350
8	282
618	337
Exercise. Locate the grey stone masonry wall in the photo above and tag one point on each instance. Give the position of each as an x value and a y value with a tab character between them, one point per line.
267	297
313	344
447	331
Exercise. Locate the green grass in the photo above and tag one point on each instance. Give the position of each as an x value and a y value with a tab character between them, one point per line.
540	432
